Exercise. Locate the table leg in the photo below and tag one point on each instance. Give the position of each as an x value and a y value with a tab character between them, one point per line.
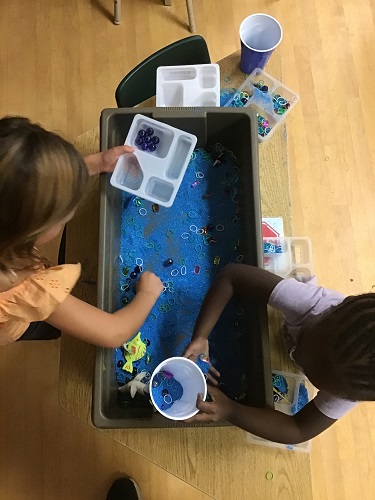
189	6
167	2
117	16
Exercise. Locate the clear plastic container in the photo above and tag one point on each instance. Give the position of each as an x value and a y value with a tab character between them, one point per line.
289	257
288	406
271	99
191	85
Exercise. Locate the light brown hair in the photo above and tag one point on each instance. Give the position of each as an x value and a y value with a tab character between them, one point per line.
42	179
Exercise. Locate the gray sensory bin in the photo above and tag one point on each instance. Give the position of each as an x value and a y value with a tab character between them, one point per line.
236	128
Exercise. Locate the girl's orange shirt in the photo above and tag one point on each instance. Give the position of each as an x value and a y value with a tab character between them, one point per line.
35	299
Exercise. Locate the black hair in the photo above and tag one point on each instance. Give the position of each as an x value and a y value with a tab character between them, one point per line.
353	346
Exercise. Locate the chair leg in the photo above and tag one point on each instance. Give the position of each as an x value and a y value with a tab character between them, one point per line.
117	7
189	6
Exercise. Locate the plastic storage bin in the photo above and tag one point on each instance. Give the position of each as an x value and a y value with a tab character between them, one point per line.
272	104
294	381
237	129
156	174
194	85
289	257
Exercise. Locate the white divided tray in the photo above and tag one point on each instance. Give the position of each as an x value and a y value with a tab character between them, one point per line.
195	85
289	257
154	175
266	102
294	381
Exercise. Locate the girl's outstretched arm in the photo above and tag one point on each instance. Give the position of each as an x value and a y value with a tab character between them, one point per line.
238	280
264	422
86	322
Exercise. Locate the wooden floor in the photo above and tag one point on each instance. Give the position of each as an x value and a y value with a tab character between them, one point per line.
60	62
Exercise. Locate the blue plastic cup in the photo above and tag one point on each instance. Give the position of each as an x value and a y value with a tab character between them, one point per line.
260	34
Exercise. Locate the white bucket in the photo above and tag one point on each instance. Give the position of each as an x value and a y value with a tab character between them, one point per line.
190	376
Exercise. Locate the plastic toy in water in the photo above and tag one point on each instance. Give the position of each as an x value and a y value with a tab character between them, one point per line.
136	385
133	351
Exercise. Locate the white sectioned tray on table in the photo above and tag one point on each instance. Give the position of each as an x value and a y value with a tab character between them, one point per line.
190	85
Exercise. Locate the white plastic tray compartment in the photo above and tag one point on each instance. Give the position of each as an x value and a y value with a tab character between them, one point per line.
164	132
154	175
294	381
293	261
191	85
264	102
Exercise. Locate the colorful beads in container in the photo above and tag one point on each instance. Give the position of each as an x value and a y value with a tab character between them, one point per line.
280	105
281	385
303	399
263	125
240	99
166	390
269	247
281	392
186	245
146	140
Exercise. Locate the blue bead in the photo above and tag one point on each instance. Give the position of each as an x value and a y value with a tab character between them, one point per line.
141	133
133	275
155	139
139	141
264	88
168	262
150	131
147	139
151	147
144	146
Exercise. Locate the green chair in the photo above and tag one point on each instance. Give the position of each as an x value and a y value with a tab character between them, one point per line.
140	84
